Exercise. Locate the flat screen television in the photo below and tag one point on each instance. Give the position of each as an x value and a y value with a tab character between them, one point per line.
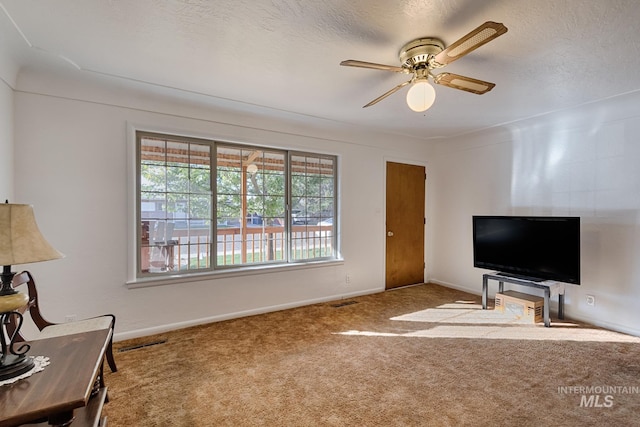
530	247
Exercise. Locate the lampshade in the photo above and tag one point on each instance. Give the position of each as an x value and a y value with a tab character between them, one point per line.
421	96
20	243
20	239
252	168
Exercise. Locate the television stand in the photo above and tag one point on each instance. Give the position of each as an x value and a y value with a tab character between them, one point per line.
547	286
521	277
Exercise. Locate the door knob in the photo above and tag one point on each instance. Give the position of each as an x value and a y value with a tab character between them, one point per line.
390	233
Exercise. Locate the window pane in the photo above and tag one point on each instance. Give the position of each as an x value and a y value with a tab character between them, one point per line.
326	187
177	179
229	181
200	156
155	177
251	203
175	204
200	180
200	207
229	206
313	207
153	206
298	185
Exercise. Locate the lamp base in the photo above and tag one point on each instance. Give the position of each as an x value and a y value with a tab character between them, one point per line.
11	365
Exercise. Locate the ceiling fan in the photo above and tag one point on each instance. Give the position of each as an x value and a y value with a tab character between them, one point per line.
419	57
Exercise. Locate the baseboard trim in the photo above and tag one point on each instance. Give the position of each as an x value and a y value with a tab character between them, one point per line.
138	333
605	325
457	287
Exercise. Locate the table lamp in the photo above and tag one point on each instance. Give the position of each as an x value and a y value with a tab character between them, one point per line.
20	243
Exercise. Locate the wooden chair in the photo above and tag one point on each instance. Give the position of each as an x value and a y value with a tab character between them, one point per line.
49	330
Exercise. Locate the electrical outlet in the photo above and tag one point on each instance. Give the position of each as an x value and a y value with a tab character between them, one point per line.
591	300
347	278
70	318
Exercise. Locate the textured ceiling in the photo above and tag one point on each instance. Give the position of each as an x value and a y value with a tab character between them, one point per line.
282	56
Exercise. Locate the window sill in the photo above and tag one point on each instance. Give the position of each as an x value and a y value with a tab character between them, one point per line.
220	274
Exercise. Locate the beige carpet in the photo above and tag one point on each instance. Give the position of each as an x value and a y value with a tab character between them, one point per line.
418	356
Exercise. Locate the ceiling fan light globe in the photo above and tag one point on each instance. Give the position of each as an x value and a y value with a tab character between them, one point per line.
421	96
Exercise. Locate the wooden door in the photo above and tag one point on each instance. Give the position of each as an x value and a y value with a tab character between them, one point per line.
405	223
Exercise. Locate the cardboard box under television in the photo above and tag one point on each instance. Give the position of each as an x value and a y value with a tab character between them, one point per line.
523	306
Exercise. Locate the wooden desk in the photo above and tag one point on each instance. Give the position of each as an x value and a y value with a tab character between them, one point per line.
64	386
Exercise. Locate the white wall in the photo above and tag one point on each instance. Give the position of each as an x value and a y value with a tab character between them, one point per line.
6	141
8	75
581	162
71	163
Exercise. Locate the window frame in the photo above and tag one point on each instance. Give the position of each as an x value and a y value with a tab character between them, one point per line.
213	269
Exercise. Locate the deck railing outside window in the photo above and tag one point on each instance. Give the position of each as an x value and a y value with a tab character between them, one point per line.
189	250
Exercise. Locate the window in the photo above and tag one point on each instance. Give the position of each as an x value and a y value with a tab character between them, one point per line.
208	205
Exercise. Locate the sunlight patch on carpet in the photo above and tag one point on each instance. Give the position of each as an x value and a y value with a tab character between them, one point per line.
469	320
459	315
531	332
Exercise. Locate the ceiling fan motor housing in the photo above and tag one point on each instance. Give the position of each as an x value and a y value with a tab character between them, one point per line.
419	53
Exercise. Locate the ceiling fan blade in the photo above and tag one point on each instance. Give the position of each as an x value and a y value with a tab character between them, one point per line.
463	83
383	67
391	92
476	38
